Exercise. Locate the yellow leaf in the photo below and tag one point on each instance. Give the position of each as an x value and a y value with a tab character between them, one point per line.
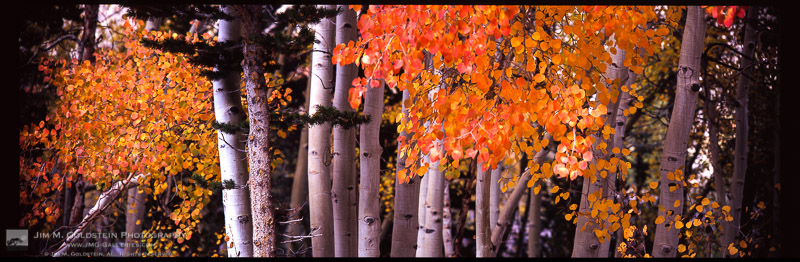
681	248
742	244
281	134
715	205
573	207
761	205
678	224
699	208
615	150
538	78
726	208
696	222
653	185
677	203
705	201
659	220
626	152
516	41
554	190
732	250
537	189
557	59
568	217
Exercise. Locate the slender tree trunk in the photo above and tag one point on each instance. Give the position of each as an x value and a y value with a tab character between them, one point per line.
494	196
78	206
586	242
133	220
422	212
674	152
447	232
319	144
522	215
88	39
369	218
232	154
712	122
300	181
85	52
406	199
424	204
776	176
534	223
483	226
628	78
433	217
742	129
345	203
507	212
258	153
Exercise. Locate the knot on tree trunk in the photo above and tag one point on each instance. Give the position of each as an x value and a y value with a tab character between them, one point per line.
666	249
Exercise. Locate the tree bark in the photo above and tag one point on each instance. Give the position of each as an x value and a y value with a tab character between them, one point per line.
447	233
494	196
232	154
586	243
133	220
345	203
507	212
674	152
712	122
742	129
433	206
483	226
627	78
369	218
258	154
406	199
319	144
86	49
422	212
300	181
88	39
534	223
78	206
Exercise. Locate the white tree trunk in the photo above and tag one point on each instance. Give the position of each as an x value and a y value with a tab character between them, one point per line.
494	196
432	246
422	211
586	243
319	144
483	227
300	181
447	233
742	129
509	207
534	223
674	154
133	220
406	200
345	205
369	219
232	157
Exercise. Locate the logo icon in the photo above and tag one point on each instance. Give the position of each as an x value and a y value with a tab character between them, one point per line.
16	239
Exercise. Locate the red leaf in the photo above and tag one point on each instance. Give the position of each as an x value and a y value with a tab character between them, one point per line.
740	12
